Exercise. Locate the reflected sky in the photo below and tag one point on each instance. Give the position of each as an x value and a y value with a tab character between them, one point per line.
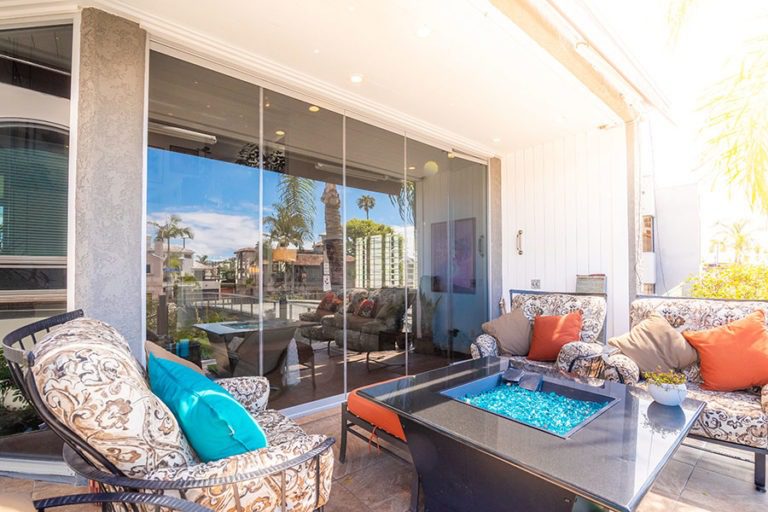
220	201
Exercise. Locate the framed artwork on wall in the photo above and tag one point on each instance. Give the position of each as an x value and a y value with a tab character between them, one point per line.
439	251
464	280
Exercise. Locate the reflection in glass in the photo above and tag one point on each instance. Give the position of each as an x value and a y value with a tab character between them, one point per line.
203	213
277	250
304	263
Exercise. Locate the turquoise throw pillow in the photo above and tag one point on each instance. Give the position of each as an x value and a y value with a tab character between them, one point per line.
216	425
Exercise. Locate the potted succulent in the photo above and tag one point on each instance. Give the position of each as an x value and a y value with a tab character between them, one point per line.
666	388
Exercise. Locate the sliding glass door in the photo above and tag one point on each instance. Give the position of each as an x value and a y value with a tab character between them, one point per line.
291	241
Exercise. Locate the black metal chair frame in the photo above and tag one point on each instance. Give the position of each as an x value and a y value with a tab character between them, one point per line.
351	424
87	461
132	498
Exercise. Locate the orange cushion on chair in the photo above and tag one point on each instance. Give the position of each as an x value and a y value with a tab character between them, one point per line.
550	333
733	356
375	414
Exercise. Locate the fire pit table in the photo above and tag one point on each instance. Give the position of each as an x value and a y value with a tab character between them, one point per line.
480	443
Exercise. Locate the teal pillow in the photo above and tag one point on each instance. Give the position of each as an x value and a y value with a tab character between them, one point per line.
216	425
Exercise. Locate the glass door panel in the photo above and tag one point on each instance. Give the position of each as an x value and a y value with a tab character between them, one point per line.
376	251
303	256
468	267
203	189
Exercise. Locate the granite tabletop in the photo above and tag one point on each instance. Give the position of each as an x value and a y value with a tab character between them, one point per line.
613	460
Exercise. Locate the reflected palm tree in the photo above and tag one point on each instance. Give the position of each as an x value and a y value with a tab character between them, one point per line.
366	203
171	228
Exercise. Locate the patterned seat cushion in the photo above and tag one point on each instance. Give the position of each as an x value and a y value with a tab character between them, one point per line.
735	417
593	309
88	378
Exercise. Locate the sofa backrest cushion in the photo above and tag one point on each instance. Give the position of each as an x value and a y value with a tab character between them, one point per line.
689	314
87	377
654	344
733	356
512	331
354	297
592	308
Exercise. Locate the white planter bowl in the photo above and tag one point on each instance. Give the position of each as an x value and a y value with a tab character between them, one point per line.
668	394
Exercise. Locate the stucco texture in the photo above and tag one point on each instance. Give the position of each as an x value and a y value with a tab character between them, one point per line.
109	173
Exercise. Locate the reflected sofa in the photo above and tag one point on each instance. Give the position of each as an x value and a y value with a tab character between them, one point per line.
381	330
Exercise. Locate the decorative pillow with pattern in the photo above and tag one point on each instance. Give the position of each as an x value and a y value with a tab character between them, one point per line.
365	309
329	303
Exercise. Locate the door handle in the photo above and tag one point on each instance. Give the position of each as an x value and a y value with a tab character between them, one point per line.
519	242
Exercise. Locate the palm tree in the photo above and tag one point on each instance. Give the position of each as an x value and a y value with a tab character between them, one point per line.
404	201
203	259
298	195
172	228
736	237
366	203
334	244
287	227
736	129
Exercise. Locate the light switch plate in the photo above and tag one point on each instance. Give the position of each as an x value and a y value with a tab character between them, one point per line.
536	284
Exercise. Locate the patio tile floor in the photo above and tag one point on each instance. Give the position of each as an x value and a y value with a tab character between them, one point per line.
694	481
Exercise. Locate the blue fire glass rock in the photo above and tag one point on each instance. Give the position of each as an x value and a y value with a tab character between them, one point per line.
545	410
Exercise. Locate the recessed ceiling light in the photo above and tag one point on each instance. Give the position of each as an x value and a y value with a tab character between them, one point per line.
266	104
314	108
356	78
279	133
412	168
496	139
424	31
207	106
451	154
316	51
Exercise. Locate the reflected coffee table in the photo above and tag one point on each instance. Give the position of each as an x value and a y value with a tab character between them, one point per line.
469	459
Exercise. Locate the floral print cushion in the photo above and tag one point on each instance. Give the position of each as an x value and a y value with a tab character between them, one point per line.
260	494
735	417
365	309
592	307
89	380
693	314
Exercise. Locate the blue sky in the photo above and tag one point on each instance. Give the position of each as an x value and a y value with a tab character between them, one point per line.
220	201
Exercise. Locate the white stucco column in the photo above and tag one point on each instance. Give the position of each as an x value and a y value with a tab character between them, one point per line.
108	161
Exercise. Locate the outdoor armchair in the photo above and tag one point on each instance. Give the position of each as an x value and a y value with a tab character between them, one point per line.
83	380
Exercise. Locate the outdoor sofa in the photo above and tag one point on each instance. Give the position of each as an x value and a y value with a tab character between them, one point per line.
584	357
85	383
738	419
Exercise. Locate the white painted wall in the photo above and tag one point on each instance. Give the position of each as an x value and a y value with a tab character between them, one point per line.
569	197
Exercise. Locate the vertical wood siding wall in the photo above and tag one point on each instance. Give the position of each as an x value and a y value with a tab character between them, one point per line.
569	197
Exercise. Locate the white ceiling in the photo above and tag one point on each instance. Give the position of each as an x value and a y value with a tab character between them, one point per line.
476	75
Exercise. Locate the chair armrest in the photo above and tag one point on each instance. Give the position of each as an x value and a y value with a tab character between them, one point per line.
251	392
309	316
159	500
581	358
764	398
621	368
484	345
239	468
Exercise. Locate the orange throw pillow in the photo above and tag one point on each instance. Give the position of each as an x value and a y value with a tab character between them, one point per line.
550	333
733	356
